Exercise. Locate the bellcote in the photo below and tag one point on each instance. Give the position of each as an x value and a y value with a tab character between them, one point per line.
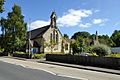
53	19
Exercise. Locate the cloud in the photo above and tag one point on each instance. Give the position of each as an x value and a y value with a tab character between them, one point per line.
38	24
117	23
97	21
86	25
97	11
73	17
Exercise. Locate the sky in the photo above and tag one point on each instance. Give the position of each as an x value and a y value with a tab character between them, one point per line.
72	15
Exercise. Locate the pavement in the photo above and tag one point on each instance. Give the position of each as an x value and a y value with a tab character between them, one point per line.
112	71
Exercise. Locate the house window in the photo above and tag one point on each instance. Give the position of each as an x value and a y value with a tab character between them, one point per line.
66	46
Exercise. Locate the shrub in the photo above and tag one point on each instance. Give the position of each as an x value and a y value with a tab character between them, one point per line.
19	52
1	50
39	56
101	50
22	55
54	53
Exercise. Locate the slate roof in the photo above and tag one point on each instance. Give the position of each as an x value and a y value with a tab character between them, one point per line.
37	32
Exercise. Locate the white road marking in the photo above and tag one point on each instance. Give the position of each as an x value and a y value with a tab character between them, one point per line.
52	72
73	77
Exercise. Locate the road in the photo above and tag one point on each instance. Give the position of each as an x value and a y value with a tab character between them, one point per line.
40	71
15	72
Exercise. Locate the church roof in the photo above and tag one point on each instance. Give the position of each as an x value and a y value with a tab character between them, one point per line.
37	32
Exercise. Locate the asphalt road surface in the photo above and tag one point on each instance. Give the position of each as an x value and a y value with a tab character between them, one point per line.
16	72
14	69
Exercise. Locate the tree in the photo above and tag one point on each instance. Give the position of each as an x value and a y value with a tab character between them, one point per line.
82	40
81	44
15	30
78	45
66	36
50	45
105	39
2	38
81	34
1	5
2	19
74	47
116	38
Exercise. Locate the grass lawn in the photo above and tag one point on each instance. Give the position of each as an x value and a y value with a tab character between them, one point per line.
114	55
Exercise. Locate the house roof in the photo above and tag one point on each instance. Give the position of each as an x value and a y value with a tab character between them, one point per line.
37	32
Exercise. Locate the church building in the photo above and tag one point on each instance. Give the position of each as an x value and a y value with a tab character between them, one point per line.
47	39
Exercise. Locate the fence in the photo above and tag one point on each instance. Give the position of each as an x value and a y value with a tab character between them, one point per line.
22	55
3	54
107	62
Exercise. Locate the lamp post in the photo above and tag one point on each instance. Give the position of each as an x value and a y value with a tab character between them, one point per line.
29	37
29	49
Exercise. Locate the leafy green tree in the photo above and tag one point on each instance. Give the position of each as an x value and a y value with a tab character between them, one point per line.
81	44
81	34
2	38
66	36
2	20
78	45
116	38
105	39
74	47
1	5
15	30
82	41
92	36
50	45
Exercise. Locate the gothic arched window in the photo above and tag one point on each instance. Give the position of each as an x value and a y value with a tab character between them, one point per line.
57	38
66	46
51	37
54	35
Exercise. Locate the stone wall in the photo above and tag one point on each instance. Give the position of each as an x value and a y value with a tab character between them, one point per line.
46	36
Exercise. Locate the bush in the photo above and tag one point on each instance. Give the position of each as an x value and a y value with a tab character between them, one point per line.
39	56
22	55
101	50
19	52
1	50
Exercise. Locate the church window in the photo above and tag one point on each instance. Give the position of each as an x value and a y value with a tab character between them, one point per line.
66	46
54	35
51	37
57	38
